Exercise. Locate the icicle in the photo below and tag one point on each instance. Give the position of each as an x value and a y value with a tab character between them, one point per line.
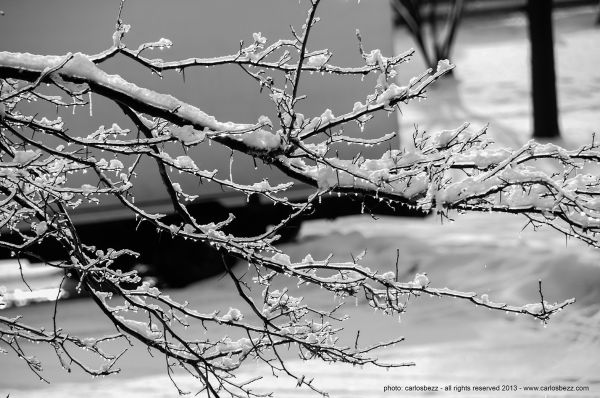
90	96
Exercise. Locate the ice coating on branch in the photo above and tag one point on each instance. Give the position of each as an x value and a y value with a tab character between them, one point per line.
87	189
265	120
162	43
421	280
308	259
317	61
358	107
535	308
232	315
482	158
227	345
319	149
41	228
146	287
142	328
298	119
444	65
185	162
187	134
102	163
388	276
24	157
375	58
311	338
177	187
281	259
56	123
517	197
115	164
371	174
393	92
260	140
445	137
327	116
326	177
81	68
259	38
262	186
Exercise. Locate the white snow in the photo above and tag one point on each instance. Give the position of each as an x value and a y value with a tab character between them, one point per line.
317	61
187	134
185	162
41	228
143	328
260	140
232	315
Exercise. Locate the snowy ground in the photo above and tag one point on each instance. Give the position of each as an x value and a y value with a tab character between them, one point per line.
450	342
491	82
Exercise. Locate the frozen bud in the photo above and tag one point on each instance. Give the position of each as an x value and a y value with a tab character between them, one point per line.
375	57
281	259
232	315
264	120
317	61
185	162
444	65
327	116
41	228
115	164
308	259
259	38
421	280
388	276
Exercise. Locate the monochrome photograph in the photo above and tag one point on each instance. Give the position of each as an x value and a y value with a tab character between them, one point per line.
299	198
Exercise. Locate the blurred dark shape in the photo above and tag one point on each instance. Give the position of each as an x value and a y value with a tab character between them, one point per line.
442	19
421	17
543	77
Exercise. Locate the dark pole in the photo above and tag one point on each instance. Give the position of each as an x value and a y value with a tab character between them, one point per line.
543	78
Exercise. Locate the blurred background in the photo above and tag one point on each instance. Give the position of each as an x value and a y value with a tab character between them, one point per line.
526	68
